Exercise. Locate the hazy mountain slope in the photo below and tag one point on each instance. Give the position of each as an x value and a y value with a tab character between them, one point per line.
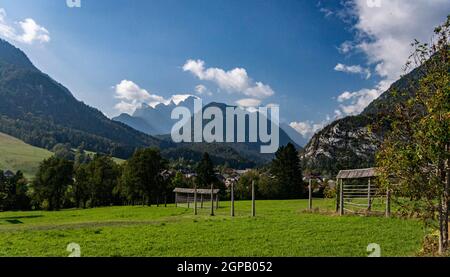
158	119
42	112
294	135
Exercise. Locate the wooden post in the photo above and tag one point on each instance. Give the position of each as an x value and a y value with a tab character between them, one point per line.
232	198
388	202
188	200
201	201
336	187
310	195
176	199
212	200
195	200
253	199
369	200
341	198
217	201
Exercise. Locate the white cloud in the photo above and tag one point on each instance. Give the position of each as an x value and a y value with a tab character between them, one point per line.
235	80
202	90
359	100
248	102
386	32
326	12
383	35
346	47
128	90
27	31
178	98
132	97
307	128
353	69
127	107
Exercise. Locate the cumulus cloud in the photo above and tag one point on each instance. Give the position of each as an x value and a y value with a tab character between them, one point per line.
26	31
248	102
307	128
202	90
235	80
127	107
132	96
353	69
128	90
383	34
359	100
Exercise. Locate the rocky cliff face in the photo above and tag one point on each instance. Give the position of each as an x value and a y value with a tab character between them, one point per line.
346	143
350	142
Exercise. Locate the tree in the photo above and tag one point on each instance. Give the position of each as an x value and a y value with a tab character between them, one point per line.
141	178
13	192
286	170
179	181
415	154
103	174
243	187
267	187
205	172
51	182
81	186
81	157
63	151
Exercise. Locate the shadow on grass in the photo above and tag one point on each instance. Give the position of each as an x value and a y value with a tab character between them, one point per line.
16	219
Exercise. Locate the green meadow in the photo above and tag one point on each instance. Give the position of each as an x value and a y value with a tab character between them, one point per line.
280	228
16	155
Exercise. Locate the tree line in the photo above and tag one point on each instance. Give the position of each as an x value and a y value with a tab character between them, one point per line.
79	180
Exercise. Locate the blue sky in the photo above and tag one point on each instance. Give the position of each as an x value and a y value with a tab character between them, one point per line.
318	60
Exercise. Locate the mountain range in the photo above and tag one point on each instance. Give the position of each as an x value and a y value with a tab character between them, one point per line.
42	112
157	121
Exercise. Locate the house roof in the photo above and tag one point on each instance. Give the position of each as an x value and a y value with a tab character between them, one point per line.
357	173
199	191
8	174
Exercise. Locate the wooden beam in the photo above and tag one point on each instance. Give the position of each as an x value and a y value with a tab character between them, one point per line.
336	187
341	199
212	200
195	200
388	202
310	195
369	198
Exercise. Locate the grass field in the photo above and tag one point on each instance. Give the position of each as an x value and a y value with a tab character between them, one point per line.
16	155
281	228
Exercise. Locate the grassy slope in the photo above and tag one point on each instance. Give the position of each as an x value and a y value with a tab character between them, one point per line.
17	155
281	228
